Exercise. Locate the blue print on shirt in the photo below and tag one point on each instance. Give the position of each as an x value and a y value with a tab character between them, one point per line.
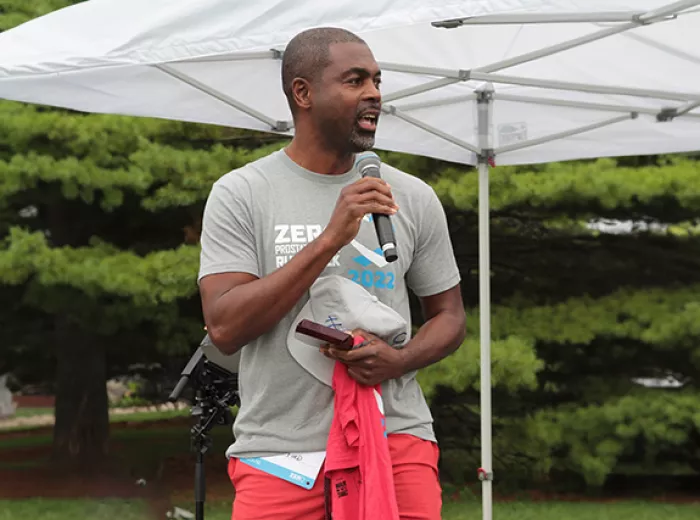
371	278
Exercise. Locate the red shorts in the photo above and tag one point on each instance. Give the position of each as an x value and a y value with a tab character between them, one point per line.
260	496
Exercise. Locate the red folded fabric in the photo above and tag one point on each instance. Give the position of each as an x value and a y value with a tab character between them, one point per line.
358	463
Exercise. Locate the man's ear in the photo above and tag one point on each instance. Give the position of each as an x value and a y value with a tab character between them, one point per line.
301	91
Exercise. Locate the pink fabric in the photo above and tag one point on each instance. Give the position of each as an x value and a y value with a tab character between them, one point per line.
358	462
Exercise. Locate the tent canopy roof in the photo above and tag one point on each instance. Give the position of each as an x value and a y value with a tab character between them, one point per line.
571	79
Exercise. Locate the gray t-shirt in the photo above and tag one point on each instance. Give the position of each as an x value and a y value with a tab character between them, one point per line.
256	218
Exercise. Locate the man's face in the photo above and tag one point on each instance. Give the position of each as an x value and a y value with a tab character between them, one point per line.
346	99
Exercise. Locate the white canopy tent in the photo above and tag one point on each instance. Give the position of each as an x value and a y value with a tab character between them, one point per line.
472	81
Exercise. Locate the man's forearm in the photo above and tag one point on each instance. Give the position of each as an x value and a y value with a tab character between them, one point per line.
252	309
437	338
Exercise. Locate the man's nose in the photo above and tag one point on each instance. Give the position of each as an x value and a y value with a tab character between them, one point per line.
372	91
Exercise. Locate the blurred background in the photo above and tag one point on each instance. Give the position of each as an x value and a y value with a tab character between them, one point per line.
596	323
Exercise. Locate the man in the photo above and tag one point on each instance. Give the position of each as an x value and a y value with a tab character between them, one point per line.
272	228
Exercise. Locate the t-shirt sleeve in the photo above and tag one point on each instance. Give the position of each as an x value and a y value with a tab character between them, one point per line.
434	268
228	234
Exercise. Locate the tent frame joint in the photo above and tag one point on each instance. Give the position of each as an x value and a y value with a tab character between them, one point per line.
645	19
484	96
282	126
485	475
667	114
487	156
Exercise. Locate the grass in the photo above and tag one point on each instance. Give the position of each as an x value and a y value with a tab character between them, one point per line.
40	439
142	447
38	509
137	448
148	416
471	510
114	418
132	436
32	412
574	511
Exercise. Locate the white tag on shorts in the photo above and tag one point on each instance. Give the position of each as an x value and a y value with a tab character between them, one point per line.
300	469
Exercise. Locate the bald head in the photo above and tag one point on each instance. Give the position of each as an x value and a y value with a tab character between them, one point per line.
308	54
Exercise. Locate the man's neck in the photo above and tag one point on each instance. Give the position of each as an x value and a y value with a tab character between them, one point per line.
312	155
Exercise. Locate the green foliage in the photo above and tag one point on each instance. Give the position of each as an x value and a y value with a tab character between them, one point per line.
663	318
185	177
106	139
665	324
15	12
583	190
648	431
110	155
132	396
649	427
162	276
514	367
564	397
99	222
78	179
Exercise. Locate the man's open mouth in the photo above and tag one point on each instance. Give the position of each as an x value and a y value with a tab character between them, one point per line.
368	121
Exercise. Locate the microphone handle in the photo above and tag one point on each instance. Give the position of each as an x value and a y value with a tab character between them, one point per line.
385	233
382	224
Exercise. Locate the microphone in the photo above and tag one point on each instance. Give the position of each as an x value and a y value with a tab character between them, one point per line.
367	164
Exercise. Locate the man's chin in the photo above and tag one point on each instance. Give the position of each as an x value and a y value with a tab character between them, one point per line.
362	143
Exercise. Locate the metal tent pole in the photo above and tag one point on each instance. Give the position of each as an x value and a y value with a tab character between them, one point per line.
484	113
275	126
561	135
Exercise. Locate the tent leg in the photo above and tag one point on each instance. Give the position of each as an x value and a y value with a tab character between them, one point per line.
484	115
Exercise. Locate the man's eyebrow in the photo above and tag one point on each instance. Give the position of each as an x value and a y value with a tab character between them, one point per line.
360	71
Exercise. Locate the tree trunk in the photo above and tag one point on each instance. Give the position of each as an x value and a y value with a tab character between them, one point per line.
81	431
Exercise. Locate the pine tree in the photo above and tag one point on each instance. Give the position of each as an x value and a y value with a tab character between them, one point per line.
99	225
580	317
99	218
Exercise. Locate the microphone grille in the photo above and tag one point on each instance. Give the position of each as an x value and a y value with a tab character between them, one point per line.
365	159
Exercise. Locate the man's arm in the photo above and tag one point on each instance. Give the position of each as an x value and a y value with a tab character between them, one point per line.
441	334
239	307
434	278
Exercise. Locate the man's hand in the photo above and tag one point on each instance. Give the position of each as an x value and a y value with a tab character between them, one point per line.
370	363
368	195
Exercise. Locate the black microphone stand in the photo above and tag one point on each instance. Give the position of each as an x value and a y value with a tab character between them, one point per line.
216	389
